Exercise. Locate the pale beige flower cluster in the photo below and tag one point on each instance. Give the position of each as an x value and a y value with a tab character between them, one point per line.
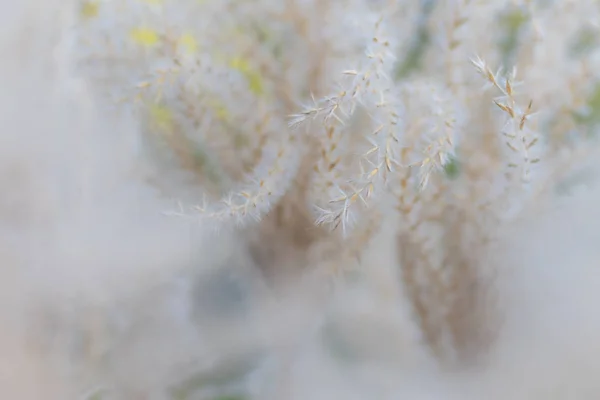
390	141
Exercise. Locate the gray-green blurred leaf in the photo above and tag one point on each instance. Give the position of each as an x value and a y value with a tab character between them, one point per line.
413	57
228	371
585	41
511	23
452	168
589	116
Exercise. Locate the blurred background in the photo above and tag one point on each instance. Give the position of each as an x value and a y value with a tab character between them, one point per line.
122	118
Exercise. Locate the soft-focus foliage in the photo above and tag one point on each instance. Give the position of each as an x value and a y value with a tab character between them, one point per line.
312	199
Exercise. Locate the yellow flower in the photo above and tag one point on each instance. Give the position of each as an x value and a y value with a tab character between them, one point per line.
144	36
188	42
219	108
89	9
255	81
162	117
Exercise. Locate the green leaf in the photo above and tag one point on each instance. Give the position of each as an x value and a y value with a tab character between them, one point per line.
421	40
452	168
589	116
585	41
511	23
